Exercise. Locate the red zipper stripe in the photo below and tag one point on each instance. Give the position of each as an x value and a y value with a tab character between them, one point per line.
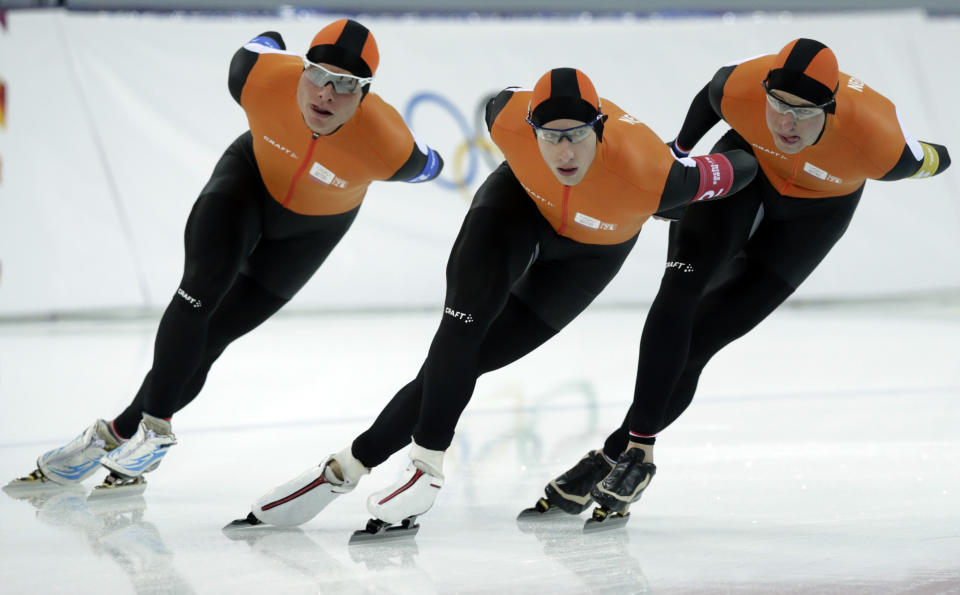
563	210
300	170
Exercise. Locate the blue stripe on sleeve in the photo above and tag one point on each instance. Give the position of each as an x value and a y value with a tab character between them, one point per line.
267	41
429	170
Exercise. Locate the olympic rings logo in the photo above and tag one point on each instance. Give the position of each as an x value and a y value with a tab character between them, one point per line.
475	147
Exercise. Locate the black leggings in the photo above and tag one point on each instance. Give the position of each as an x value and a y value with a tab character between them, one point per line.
512	283
721	280
245	257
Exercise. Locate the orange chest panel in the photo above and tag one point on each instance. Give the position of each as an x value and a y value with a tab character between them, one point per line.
620	191
308	173
861	140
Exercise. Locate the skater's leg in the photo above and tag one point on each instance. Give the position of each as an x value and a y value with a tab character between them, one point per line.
221	231
488	257
496	242
392	428
516	331
787	247
290	251
276	270
726	314
223	227
701	245
244	308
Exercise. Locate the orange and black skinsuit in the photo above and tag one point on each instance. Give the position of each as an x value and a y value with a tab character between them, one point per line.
531	254
725	272
279	200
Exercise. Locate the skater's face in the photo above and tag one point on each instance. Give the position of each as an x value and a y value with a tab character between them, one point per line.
323	108
568	160
792	127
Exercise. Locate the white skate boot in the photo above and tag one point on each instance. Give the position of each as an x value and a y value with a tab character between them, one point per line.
303	497
402	502
72	463
140	454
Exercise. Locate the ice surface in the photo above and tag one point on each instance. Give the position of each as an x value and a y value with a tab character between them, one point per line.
821	455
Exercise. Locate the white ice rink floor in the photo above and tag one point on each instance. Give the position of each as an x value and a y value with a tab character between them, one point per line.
821	455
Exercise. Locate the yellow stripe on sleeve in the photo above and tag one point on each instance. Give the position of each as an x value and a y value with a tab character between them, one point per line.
931	161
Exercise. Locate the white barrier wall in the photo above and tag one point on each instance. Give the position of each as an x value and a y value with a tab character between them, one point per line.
114	122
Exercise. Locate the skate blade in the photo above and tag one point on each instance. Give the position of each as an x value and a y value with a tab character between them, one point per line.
248	522
118	487
35	484
378	531
611	520
535	514
31	489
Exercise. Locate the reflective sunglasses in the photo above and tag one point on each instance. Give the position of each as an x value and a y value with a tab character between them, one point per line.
799	112
555	135
342	83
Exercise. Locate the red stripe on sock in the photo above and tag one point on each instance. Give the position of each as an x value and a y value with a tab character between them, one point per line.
113	428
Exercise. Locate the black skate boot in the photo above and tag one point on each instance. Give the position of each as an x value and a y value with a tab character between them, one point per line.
622	487
570	492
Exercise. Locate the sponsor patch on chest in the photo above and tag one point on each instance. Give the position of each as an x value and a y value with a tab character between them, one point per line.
593	222
325	176
820	174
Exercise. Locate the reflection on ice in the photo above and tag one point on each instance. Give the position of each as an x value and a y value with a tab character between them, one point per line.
114	528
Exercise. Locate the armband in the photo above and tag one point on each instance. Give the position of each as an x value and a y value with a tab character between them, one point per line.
931	161
430	169
716	176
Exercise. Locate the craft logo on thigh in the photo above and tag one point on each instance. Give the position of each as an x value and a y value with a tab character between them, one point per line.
684	267
192	300
462	316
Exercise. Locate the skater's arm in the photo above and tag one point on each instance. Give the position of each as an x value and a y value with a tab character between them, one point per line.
496	104
705	177
244	59
702	115
423	165
919	159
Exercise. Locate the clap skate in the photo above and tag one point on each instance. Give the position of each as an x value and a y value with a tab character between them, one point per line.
570	492
303	497
618	490
379	531
395	509
603	519
140	454
70	464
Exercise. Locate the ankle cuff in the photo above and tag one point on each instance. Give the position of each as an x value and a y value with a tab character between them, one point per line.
351	467
157	424
430	461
